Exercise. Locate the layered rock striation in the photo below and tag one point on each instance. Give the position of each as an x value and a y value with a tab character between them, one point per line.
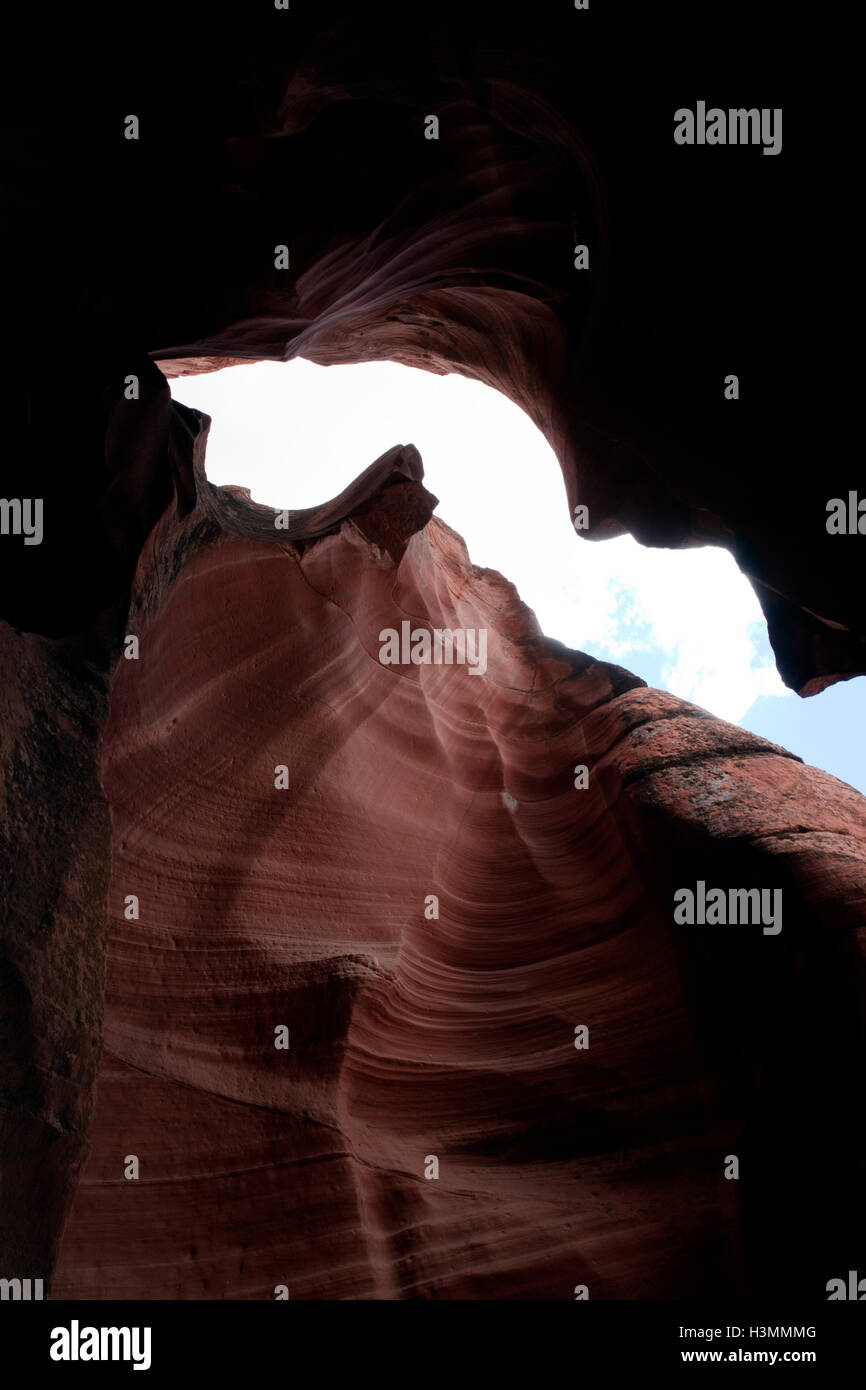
305	906
434	906
306	133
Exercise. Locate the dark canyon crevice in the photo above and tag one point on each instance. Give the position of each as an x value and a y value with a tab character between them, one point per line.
136	259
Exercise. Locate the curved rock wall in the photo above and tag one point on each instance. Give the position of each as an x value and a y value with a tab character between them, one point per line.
292	129
414	1035
306	129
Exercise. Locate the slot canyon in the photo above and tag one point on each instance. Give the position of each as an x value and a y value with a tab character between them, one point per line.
430	905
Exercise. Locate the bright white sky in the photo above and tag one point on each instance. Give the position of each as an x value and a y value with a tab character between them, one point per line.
687	621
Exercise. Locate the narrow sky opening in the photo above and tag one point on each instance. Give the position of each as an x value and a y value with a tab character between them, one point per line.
686	621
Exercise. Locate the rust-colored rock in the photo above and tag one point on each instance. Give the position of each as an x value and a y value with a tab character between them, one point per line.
450	254
558	1166
452	1037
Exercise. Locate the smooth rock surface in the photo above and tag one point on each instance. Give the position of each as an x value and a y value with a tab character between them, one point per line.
453	1037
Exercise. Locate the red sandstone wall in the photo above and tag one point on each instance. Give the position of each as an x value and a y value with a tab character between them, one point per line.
452	1037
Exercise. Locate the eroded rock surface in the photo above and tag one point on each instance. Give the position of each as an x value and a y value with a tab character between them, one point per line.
414	1036
306	129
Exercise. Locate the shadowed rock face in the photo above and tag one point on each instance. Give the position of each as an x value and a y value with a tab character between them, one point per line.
410	1035
54	867
414	1035
451	254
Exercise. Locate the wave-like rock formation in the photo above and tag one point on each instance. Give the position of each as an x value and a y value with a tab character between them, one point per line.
412	1035
432	907
307	130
